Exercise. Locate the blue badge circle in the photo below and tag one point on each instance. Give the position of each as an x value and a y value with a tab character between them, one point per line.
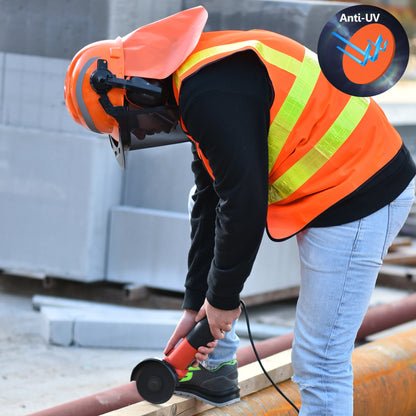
336	35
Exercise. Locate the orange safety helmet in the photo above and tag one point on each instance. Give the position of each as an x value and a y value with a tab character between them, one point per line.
80	99
113	86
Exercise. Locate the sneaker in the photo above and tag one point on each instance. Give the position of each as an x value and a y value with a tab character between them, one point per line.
218	387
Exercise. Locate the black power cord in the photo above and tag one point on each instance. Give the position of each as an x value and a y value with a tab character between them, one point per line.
259	360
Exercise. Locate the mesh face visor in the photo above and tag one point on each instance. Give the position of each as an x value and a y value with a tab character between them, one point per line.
143	128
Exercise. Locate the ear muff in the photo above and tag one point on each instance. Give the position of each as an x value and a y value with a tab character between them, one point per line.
140	97
139	91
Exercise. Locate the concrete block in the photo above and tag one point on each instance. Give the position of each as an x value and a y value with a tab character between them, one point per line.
57	327
2	59
399	113
33	94
159	178
57	190
89	324
150	248
138	329
276	268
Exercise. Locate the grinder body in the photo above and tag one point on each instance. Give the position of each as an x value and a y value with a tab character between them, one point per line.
156	379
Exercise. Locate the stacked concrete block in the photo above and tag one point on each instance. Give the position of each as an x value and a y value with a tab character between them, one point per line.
54	212
57	180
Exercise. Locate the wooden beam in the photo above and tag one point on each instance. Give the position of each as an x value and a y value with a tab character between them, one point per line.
404	256
397	276
400	242
250	379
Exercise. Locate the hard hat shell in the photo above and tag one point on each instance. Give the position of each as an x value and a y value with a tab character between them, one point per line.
80	98
153	51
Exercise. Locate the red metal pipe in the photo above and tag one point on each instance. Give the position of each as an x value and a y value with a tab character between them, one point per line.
96	404
377	319
384	379
266	348
387	316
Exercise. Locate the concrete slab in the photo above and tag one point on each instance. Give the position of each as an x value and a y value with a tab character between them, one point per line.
88	324
57	327
124	331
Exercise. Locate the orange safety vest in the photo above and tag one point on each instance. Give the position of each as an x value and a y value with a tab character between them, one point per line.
323	144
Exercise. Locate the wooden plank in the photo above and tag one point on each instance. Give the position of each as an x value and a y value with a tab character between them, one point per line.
399	242
405	256
272	296
397	276
250	379
398	270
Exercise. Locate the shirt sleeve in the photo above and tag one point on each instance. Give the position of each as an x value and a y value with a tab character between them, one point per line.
201	251
225	108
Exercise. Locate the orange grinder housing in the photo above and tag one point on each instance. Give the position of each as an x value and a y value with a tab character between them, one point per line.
156	379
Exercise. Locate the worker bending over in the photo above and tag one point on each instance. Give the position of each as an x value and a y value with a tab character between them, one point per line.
277	147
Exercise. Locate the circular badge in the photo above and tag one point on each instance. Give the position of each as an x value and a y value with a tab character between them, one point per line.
363	50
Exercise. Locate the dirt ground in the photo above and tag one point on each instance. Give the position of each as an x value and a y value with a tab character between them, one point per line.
35	375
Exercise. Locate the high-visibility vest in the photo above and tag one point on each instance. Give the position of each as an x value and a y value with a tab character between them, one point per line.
323	144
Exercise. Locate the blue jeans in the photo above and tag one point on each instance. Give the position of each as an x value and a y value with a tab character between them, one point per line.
339	267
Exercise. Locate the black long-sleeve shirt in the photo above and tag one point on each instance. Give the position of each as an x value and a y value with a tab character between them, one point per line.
225	107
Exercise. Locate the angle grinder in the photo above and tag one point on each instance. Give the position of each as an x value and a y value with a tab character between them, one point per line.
156	379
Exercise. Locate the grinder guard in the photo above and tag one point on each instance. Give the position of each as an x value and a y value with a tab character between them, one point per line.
156	379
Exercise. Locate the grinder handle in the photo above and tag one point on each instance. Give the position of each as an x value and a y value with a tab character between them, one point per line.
200	334
180	357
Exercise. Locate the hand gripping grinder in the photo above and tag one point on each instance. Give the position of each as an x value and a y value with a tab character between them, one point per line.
156	379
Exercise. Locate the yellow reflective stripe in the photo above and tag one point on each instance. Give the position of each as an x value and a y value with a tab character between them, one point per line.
332	140
270	55
293	105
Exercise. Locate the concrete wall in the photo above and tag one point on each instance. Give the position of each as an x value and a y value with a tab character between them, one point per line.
51	28
59	28
67	209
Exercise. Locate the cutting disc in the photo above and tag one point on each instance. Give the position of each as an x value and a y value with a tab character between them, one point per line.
155	380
